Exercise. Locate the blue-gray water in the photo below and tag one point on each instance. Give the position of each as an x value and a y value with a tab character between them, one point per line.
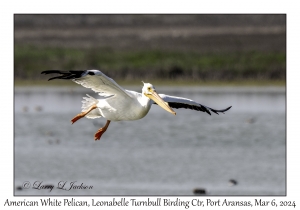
160	154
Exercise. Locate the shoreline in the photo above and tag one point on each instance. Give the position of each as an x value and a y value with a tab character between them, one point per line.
170	83
161	89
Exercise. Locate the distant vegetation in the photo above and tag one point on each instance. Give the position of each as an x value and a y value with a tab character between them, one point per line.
168	48
154	64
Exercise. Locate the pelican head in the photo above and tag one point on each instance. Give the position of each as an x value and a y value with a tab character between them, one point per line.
150	92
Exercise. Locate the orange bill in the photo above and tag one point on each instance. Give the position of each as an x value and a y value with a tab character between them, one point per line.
155	97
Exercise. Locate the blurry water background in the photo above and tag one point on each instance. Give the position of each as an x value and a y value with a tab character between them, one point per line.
160	154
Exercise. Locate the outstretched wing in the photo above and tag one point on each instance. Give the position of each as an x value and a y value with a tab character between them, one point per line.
178	102
93	79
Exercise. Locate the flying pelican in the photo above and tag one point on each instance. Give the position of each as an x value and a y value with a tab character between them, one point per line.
119	104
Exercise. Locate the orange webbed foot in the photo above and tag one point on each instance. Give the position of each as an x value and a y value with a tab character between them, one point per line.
77	117
82	114
99	133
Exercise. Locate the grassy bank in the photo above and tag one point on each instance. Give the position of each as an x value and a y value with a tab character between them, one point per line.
157	65
158	83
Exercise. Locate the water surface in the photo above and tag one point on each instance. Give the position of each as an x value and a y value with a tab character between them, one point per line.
160	154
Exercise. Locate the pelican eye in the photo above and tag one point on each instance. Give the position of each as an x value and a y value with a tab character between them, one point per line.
149	88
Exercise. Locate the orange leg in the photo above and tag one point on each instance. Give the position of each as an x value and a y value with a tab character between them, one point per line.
99	133
82	114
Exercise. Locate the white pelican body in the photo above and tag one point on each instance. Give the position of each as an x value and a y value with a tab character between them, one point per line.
133	108
120	104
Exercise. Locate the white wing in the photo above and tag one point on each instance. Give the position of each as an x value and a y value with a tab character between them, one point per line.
93	79
178	102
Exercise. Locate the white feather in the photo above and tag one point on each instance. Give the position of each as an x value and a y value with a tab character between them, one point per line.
101	84
176	99
87	103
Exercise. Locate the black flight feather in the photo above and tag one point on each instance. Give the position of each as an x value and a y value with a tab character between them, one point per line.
197	108
64	74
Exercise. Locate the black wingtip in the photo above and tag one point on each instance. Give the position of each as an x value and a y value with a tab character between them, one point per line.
228	108
217	111
207	111
223	111
64	74
214	111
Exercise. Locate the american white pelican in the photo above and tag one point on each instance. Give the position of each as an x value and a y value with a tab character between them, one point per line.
120	104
